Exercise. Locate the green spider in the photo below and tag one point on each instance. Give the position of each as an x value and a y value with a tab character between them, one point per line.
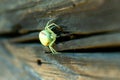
48	37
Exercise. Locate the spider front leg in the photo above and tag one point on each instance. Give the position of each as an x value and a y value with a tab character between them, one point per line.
49	22
51	48
52	25
51	44
53	36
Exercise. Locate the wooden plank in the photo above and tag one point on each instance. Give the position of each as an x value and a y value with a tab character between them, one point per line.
97	41
11	68
88	28
76	65
99	19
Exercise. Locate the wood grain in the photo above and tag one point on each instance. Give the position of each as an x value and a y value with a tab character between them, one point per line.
88	41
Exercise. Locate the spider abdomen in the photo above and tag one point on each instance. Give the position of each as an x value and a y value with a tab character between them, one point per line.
45	37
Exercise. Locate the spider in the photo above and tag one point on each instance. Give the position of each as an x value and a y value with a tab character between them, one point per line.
47	37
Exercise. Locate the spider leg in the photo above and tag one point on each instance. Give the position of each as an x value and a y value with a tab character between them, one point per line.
54	38
49	22
52	25
51	44
52	50
53	35
55	25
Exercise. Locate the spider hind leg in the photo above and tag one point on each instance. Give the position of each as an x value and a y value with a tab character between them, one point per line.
53	50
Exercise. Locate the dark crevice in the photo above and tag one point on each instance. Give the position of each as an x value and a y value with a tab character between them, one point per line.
30	41
77	36
24	32
10	35
61	37
67	37
17	34
95	50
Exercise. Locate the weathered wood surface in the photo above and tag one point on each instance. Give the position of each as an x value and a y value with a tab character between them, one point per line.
89	40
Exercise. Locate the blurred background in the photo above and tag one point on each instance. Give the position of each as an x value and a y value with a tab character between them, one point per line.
88	40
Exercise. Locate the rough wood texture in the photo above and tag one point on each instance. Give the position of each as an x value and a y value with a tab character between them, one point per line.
89	40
